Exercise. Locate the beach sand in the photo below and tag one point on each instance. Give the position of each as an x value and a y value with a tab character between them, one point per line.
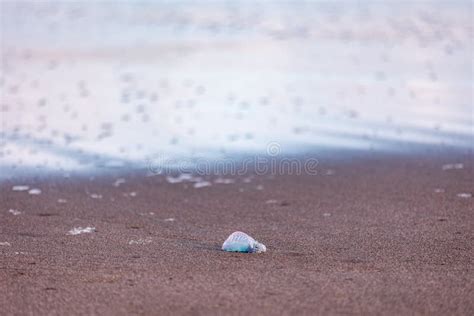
381	235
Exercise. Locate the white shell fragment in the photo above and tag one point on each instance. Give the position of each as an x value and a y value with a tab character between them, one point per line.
34	191
20	188
451	166
224	181
118	182
241	242
80	230
14	212
201	184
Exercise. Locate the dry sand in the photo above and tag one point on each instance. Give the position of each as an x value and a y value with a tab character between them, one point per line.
379	236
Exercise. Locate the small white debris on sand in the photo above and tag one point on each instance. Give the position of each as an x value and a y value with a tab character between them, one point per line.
20	187
451	166
5	243
80	230
247	180
187	177
438	190
34	191
171	219
62	201
271	201
330	172
96	196
259	187
20	253
129	194
140	241
464	195
118	182
201	184
326	214
182	178
224	181
14	212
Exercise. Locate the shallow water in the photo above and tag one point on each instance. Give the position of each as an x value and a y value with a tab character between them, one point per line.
86	85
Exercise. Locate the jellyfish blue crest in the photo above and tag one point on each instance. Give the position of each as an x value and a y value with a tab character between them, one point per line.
241	242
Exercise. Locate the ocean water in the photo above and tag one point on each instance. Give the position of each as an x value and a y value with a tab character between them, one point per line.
94	84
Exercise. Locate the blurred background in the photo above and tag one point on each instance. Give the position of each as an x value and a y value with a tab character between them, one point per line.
87	84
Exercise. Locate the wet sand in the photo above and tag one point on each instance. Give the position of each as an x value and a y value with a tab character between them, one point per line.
379	236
